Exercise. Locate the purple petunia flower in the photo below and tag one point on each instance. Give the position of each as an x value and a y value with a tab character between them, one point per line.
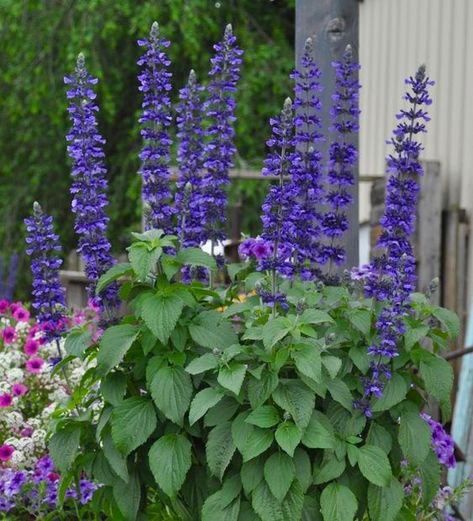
85	148
155	85
48	293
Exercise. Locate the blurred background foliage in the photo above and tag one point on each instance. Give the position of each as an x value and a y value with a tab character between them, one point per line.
40	40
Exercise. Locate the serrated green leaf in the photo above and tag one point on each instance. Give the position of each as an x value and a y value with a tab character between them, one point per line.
77	341
374	465
172	389
430	474
127	495
297	399
319	433
251	474
379	436
315	316
448	319
265	416
133	422
384	503
224	504
308	361
221	412
114	344
265	504
113	388
170	460
142	259
220	449
64	446
437	374
279	473
161	313
202	363
333	364
340	393
361	320
413	335
114	273
210	329
414	438
260	390
116	460
288	435
274	331
202	402
231	377
394	392
338	503
330	468
250	441
196	257
303	468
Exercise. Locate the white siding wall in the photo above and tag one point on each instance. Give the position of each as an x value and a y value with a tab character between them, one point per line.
395	37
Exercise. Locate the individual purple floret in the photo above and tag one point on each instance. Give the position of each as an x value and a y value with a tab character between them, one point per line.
48	294
220	149
155	84
190	158
442	442
258	249
343	157
306	170
85	148
391	276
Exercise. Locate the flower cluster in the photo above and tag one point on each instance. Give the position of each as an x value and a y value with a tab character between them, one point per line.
37	490
391	277
306	170
155	84
258	249
343	156
219	149
442	442
85	148
48	293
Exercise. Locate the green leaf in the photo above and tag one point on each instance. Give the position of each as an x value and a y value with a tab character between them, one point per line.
308	361
172	389
209	329
169	460
333	364
114	344
413	335
251	474
196	257
361	320
297	399
430	473
338	503
64	445
380	437
113	388
251	441
114	273
128	496
161	313
437	374
340	393
384	503
330	468
275	330
315	316
224	504
303	468
394	392
221	412
202	364
142	259
235	268
220	448
279	473
288	436
133	422
260	390
77	341
202	402
232	376
311	509
360	358
115	459
374	465
265	416
319	433
414	438
448	319
265	504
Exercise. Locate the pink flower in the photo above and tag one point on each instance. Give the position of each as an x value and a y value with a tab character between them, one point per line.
34	365
19	389
21	314
4	305
9	334
5	400
14	306
6	452
79	318
31	347
94	305
97	334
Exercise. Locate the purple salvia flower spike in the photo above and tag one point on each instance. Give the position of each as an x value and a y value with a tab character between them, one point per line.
155	84
442	443
391	277
306	169
42	245
89	186
343	157
220	149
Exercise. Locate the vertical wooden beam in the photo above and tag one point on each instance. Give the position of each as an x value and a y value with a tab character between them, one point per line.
334	23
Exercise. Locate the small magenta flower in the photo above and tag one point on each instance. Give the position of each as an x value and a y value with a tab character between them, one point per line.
4	306
34	365
6	400
21	314
6	452
19	389
9	335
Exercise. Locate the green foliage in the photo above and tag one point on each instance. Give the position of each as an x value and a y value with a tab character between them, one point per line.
225	411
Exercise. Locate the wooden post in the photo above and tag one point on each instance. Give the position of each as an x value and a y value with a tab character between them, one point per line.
334	23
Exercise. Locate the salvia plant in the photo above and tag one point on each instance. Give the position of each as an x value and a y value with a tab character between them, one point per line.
290	392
